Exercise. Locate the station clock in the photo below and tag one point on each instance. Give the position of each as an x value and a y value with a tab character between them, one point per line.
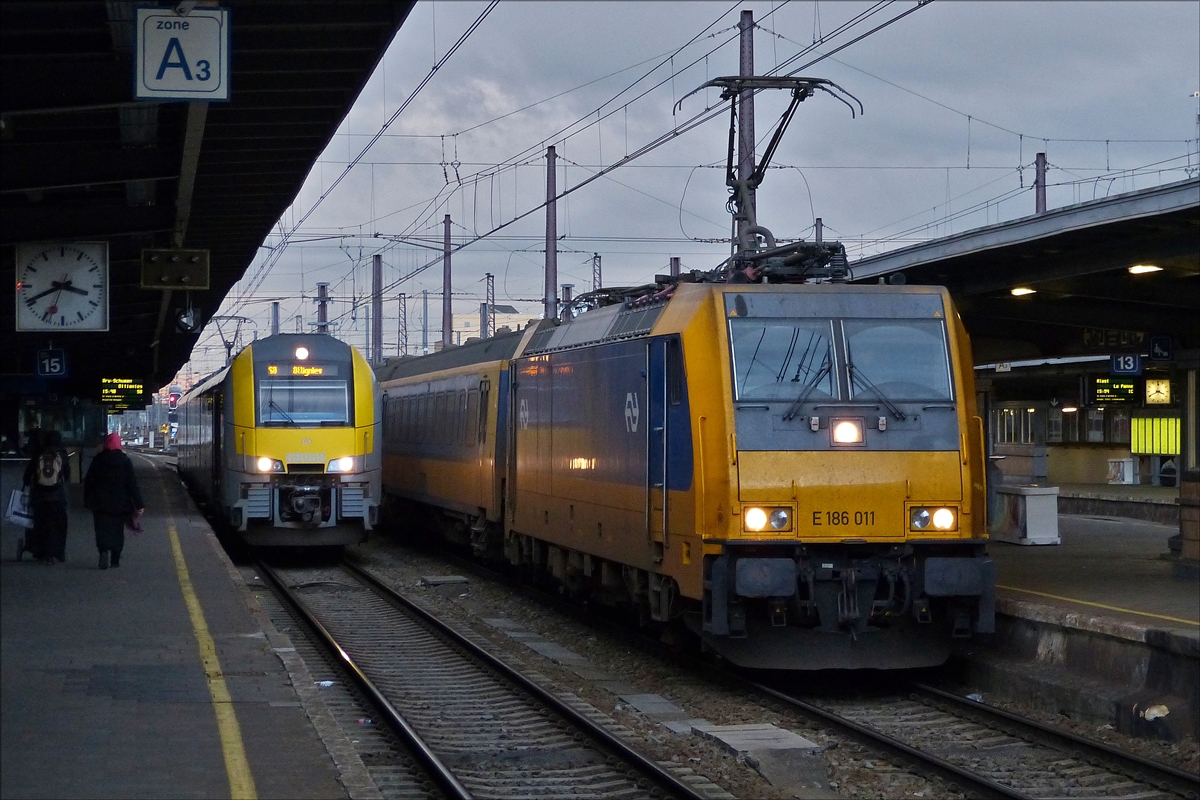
62	286
1158	392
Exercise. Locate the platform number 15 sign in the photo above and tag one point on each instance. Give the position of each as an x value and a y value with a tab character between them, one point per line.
182	56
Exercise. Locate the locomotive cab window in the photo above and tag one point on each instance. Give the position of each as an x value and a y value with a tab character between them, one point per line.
900	359
303	402
780	359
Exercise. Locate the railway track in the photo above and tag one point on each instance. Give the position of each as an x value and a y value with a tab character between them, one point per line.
982	750
477	727
987	752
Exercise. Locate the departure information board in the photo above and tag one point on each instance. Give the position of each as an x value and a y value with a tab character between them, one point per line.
122	394
1113	390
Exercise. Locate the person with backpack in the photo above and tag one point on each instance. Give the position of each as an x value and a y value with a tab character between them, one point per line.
46	475
110	490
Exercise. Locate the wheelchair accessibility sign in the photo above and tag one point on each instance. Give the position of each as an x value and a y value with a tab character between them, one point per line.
182	56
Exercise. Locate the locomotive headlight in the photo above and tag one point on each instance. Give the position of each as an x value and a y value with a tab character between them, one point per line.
344	464
758	519
944	519
755	519
847	431
266	464
301	353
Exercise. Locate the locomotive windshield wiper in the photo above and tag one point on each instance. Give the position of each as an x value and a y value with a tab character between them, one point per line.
826	367
857	377
271	403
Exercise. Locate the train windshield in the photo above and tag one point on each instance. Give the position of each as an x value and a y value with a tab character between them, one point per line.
779	359
303	402
897	359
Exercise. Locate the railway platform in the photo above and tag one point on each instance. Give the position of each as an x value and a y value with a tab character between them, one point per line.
1103	625
157	679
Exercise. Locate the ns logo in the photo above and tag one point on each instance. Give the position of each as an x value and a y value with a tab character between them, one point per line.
631	412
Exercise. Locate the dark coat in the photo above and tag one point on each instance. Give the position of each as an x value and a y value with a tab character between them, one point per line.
48	494
110	486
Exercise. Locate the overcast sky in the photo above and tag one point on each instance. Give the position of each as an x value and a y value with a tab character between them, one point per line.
958	98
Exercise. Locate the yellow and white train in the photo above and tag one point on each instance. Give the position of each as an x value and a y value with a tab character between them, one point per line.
283	443
793	471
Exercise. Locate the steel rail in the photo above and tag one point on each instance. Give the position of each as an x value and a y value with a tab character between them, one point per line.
967	781
1163	776
648	768
437	770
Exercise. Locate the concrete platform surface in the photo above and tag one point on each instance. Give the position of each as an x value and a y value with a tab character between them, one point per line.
103	690
1106	566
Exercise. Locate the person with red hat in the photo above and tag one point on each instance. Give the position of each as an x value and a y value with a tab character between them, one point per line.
110	490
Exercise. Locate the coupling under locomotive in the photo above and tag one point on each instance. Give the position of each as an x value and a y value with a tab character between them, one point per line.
283	441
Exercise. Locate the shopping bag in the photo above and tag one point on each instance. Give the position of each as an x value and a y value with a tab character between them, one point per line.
19	511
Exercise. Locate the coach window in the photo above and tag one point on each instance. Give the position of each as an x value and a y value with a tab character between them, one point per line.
462	417
472	430
425	418
440	421
485	389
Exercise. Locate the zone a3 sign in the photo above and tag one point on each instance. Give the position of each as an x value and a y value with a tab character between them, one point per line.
182	56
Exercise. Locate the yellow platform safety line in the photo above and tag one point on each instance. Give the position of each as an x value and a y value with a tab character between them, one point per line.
1099	605
241	780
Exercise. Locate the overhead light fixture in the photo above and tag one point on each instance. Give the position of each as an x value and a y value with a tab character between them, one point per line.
1021	291
1069	409
1142	269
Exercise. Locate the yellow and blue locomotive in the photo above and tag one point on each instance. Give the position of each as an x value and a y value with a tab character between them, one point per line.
789	465
795	472
283	442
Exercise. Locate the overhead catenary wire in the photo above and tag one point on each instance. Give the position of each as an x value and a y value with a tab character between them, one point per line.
265	268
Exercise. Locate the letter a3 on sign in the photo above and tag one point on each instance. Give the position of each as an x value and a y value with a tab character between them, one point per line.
182	57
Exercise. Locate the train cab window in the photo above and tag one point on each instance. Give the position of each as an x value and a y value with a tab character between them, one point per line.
307	402
900	359
781	359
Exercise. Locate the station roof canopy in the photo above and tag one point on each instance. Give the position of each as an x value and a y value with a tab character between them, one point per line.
81	160
1076	259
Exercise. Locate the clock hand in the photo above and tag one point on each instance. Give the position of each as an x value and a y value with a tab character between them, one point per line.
54	287
68	287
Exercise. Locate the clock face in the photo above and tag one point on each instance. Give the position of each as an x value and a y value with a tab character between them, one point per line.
1158	391
62	286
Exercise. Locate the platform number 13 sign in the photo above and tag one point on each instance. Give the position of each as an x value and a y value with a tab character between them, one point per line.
1126	364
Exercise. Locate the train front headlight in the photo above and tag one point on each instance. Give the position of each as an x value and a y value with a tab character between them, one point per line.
944	519
846	431
919	519
265	464
758	519
941	519
343	464
755	518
